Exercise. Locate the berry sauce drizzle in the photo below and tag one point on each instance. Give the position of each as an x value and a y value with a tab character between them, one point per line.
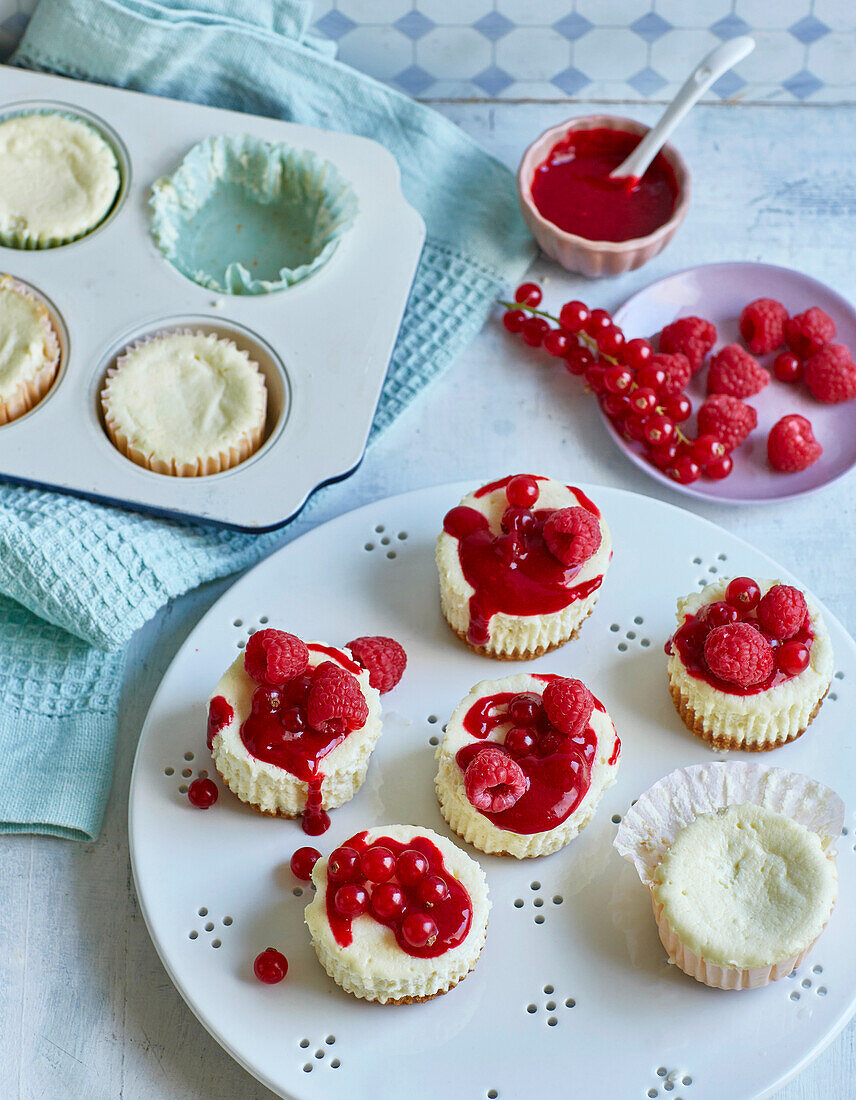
558	767
519	577
572	188
220	714
688	643
453	915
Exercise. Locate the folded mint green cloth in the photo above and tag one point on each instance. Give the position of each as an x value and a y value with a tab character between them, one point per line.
76	578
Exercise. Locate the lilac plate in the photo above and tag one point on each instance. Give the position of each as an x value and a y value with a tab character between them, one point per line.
719	292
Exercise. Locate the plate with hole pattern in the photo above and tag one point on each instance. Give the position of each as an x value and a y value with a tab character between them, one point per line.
572	965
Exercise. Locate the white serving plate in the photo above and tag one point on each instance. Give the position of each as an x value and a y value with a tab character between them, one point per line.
573	984
324	344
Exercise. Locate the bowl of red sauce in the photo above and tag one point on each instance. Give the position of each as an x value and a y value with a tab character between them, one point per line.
583	219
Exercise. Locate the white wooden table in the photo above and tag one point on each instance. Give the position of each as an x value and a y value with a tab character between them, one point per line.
86	1009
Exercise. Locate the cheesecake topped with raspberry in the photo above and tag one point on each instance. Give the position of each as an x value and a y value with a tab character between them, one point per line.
524	763
749	664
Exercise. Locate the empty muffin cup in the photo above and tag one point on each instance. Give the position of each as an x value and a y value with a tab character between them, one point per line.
244	216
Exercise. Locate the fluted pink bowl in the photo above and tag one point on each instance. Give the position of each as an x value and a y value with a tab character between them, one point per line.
596	258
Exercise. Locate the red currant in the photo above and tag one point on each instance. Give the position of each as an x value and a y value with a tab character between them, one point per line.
643	400
615	405
432	890
792	657
418	929
594	377
707	449
411	866
513	319
533	330
293	719
557	342
651	376
634	427
721	469
388	901
598	320
610	341
522	491
528	293
517	520
351	900
659	430
578	359
302	862
787	367
637	353
678	408
617	379
202	793
524	709
520	740
377	863
743	593
573	316
717	614
663	457
270	966
343	865
684	470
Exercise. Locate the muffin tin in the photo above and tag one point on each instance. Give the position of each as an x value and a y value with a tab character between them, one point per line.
573	984
323	344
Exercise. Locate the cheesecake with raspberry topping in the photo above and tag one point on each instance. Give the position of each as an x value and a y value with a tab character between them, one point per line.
524	762
399	914
292	725
750	663
521	562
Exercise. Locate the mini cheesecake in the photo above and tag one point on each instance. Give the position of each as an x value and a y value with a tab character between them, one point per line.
399	914
291	727
750	663
524	762
29	350
521	562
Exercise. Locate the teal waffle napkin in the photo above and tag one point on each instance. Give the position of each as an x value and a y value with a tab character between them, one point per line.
76	578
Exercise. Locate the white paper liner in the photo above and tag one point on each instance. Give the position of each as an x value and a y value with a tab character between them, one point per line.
31	392
651	827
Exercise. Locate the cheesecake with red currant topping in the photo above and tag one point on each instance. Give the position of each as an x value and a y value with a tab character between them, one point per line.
750	663
399	914
521	561
524	762
292	725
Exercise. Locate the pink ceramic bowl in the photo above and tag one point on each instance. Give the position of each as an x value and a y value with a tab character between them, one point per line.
595	258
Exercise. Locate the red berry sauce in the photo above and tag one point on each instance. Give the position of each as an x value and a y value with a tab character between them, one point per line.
513	572
558	767
409	907
220	714
572	188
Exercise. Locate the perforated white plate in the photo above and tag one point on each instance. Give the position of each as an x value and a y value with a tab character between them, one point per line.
573	985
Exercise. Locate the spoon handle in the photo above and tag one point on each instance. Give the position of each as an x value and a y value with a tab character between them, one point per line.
711	68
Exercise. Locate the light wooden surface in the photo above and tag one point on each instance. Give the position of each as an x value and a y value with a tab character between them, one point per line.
86	1009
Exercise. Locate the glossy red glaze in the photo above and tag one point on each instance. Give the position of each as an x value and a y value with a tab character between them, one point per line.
453	915
572	188
220	714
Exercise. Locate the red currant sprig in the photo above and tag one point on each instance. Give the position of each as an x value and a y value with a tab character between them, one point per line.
628	385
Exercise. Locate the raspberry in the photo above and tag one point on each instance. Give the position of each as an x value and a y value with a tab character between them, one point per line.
691	336
807	332
493	781
739	654
383	658
830	374
735	372
727	418
568	704
762	325
678	372
572	535
782	611
272	657
335	703
791	445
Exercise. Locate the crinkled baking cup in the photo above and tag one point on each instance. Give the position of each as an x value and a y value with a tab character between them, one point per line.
652	826
58	179
243	216
28	361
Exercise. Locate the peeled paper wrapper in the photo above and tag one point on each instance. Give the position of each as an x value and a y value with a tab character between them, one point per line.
651	827
244	216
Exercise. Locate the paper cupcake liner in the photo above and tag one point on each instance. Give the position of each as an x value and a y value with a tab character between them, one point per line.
31	392
310	193
18	236
203	465
651	827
